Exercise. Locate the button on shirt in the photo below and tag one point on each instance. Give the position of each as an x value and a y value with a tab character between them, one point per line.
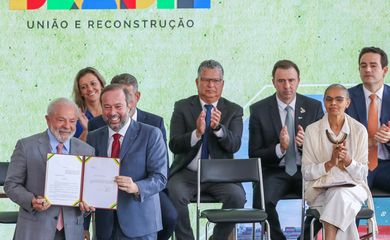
383	153
282	113
193	165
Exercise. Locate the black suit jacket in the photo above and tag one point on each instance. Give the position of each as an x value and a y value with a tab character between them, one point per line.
265	125
183	123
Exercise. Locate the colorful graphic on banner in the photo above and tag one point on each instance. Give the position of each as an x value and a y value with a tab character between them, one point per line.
106	4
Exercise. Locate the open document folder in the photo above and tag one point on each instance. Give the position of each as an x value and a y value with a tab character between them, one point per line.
71	179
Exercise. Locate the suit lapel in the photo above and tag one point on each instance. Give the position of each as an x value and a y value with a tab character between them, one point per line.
196	108
103	142
44	145
221	107
130	136
275	116
300	111
74	147
385	103
360	105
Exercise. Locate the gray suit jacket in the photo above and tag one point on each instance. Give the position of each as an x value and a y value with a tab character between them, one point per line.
183	122
26	179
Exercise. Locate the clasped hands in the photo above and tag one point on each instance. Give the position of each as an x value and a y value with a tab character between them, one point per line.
284	138
381	136
201	121
40	204
340	157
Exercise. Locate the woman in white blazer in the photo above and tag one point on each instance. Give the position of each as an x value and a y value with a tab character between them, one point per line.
334	166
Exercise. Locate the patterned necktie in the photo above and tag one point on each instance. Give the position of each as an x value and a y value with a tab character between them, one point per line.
205	148
372	128
290	157
116	146
60	223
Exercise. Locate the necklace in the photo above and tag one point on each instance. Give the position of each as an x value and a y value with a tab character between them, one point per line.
331	139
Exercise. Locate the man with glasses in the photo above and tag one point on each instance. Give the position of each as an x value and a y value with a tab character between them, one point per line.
205	126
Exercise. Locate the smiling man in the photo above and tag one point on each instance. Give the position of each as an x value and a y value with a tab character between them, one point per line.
25	180
204	126
143	158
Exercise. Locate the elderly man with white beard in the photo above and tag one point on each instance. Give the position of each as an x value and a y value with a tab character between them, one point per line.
25	180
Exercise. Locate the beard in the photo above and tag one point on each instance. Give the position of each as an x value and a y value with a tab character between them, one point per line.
117	126
62	138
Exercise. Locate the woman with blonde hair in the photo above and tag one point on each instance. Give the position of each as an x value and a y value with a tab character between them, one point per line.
87	87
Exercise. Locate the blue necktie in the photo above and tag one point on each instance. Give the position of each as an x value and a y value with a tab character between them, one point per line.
290	157
205	148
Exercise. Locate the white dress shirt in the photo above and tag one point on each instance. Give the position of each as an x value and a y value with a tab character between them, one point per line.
383	153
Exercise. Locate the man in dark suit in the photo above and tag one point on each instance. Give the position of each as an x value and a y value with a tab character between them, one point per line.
168	211
25	181
278	145
143	169
370	102
204	126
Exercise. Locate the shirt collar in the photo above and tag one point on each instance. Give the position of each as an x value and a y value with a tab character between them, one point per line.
121	131
379	93
204	103
54	142
344	129
283	106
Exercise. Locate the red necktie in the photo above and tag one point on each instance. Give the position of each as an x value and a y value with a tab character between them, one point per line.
116	146
372	128
60	223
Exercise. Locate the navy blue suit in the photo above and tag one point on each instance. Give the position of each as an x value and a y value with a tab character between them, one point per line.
143	158
168	210
380	177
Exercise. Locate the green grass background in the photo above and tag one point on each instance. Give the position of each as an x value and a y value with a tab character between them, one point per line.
247	36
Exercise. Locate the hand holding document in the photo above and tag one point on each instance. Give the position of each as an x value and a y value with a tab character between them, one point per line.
71	179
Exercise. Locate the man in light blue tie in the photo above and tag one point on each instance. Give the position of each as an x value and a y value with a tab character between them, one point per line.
205	126
276	134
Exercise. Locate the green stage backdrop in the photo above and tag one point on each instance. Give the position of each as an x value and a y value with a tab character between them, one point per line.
41	51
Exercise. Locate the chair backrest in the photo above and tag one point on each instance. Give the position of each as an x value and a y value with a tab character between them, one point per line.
229	170
3	172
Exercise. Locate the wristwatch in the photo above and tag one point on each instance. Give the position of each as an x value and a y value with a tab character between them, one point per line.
217	128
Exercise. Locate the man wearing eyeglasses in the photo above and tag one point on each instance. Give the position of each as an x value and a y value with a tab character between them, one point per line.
205	126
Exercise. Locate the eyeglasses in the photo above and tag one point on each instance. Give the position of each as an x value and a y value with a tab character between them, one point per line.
215	81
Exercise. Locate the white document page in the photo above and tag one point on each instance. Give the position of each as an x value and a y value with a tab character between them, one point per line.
100	189
63	179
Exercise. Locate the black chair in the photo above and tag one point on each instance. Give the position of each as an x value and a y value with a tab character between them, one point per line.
6	217
231	171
